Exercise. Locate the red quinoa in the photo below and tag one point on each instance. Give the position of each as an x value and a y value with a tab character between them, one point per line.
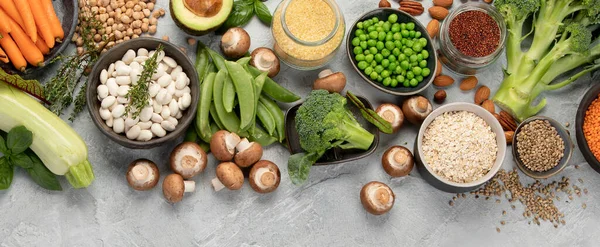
474	33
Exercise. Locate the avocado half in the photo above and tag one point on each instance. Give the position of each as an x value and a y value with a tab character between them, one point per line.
199	17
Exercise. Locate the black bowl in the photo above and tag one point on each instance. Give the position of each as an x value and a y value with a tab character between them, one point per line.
67	12
585	103
335	155
403	17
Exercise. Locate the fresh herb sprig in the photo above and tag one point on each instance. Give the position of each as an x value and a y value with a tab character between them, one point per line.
138	94
243	11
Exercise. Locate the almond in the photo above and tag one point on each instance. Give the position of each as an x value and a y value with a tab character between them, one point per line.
438	12
443	81
438	70
384	4
482	94
468	83
443	3
433	28
489	106
509	136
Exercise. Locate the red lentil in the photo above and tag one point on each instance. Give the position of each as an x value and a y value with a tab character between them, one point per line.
591	127
474	33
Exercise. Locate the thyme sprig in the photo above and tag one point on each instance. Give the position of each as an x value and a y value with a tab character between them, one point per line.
138	94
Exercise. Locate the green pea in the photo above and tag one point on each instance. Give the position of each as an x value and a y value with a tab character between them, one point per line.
394	83
398	70
367	23
362	37
389	37
375	19
373	34
417	70
400	78
371	29
378	58
413	82
395	28
426	72
393	18
363	44
423	64
409	43
397	36
360	25
406	83
413	58
358	50
387	26
385	52
418	34
369	58
362	65
408	52
366	52
360	57
419	57
373	50
373	75
411	33
356	41
387	81
403	41
425	54
378	68
379	78
371	42
402	26
389	45
398	44
385	63
423	42
404	33
410	75
380	23
381	36
410	26
359	32
419	78
396	51
368	71
413	64
417	47
373	63
404	64
402	57
380	45
385	74
392	66
392	58
379	29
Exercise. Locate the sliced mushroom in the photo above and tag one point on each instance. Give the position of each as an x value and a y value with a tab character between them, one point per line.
332	82
248	153
391	113
264	59
188	159
416	109
142	174
397	161
174	187
377	198
264	177
229	175
235	42
222	145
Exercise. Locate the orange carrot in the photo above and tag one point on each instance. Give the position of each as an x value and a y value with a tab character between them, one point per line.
15	56
32	54
41	22
4	27
3	56
11	10
57	29
41	44
27	17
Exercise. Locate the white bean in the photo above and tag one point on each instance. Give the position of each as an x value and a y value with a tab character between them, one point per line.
103	76
123	70
164	80
140	59
109	122
123	80
135	76
158	73
187	80
146	114
105	114
186	100
168	126
179	93
102	91
119	63
128	57
156	118
157	130
180	104
112	107
122	100
145	125
162	96
179	115
187	90
153	90
175	72
112	86
145	135
118	111
111	69
167	68
160	56
165	113
169	61
123	90
142	52
173	107
157	107
173	120
130	122
171	89
180	83
119	125
108	101
133	132
135	65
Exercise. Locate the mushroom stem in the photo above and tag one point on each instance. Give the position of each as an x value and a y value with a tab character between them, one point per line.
266	60
422	104
217	185
325	73
190	186
140	172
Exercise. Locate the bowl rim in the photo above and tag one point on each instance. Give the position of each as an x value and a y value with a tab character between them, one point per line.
418	25
120	138
494	125
568	152
584	148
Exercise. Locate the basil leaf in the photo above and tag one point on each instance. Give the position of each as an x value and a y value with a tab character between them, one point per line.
240	15
41	175
262	12
3	148
19	139
299	166
6	174
21	160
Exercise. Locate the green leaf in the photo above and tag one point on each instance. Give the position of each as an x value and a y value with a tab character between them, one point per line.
299	166
6	174
41	175
21	160
240	15
32	87
262	12
19	139
370	115
3	148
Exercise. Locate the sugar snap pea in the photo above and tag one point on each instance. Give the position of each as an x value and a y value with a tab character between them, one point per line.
217	59
229	120
261	137
273	89
277	115
245	92
259	81
228	94
202	123
265	118
215	118
243	61
202	61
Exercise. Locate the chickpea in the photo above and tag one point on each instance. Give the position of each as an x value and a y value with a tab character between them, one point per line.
118	35
138	15
146	20
150	6
135	36
129	32
125	19
146	12
102	10
144	27
110	21
153	21
156	14
108	30
165	38
152	29
136	24
161	11
129	4
97	37
129	12
126	38
79	50
137	31
79	41
137	8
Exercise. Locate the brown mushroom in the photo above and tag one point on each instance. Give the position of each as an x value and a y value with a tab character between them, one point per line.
222	145
391	113
397	161
377	198
174	187
235	42
264	177
142	174
264	59
188	159
332	82
229	175
416	109
248	153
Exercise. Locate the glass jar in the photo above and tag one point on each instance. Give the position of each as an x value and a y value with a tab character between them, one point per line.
453	58
307	33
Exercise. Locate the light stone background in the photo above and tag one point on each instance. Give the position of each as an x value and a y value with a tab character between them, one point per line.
326	211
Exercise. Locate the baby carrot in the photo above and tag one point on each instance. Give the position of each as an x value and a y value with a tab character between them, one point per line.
15	56
11	10
4	27
41	44
32	54
57	29
27	17
3	56
41	22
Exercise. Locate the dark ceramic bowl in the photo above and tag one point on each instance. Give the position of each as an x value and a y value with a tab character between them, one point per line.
587	100
67	12
335	155
116	53
403	17
562	132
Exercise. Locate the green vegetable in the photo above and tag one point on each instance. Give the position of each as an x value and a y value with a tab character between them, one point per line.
228	94
206	91
273	89
261	137
228	119
562	42
243	61
323	122
138	94
218	60
202	61
262	12
40	173
240	15
245	92
6	174
192	136
265	118
259	81
32	87
370	115
277	115
58	146
215	117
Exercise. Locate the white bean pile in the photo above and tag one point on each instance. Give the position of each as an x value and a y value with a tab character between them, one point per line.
169	92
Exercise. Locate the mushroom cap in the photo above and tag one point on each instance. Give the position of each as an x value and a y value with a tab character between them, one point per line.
377	198
416	109
222	145
142	174
188	159
391	113
332	82
248	153
230	175
264	177
397	161
235	42
264	59
173	188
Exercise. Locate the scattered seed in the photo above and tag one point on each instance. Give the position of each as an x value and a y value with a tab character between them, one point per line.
497	229
191	41
451	203
584	206
503	212
165	38
580	180
497	201
567	124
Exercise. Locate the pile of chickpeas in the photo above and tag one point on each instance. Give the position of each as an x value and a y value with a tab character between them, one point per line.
123	19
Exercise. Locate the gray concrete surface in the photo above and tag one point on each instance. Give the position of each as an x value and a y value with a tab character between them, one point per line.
324	212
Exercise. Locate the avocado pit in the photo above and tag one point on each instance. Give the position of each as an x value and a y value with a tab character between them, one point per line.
204	8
